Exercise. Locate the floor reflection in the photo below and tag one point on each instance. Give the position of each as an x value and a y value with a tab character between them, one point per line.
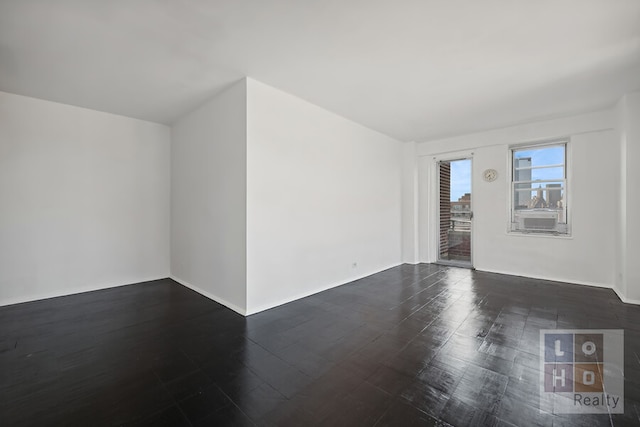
412	345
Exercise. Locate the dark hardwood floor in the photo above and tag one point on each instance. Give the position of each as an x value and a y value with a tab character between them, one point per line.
418	345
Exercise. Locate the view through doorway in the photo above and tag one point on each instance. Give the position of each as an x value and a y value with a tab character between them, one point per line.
455	211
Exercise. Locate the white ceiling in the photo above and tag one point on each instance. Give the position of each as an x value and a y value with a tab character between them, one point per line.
413	69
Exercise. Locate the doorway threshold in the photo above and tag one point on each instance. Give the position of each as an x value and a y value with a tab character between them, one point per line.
454	263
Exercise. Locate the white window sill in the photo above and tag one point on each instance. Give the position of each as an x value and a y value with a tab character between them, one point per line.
543	235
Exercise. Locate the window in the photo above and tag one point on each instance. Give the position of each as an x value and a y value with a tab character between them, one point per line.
539	189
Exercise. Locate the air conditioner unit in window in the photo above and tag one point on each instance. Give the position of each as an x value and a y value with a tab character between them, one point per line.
537	220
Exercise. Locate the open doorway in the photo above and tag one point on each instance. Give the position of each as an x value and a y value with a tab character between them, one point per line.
455	212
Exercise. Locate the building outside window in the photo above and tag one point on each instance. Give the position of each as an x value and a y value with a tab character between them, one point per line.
539	189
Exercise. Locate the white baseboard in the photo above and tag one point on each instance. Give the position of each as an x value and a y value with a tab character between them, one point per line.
209	295
74	291
550	279
296	297
625	299
573	282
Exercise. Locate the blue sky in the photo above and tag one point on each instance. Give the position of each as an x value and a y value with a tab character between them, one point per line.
542	155
545	156
460	178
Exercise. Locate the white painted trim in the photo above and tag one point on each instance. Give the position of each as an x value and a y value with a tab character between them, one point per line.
537	235
66	293
209	295
625	299
433	216
568	179
571	282
550	279
316	291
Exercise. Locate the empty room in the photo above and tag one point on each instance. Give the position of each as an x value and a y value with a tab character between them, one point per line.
296	213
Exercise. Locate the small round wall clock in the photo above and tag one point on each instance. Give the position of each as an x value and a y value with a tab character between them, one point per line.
490	175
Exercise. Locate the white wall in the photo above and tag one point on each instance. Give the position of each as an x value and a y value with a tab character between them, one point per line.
632	198
409	203
208	203
588	256
273	199
622	123
628	274
84	199
323	193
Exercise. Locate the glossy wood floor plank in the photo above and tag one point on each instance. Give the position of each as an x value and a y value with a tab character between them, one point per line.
413	345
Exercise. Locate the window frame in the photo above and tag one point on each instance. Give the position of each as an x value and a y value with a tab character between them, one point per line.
561	229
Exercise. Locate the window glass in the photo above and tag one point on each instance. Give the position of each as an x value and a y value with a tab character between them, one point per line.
539	189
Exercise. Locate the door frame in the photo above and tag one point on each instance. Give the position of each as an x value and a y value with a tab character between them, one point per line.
450	157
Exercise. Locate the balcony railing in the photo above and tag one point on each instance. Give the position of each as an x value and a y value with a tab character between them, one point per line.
460	224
